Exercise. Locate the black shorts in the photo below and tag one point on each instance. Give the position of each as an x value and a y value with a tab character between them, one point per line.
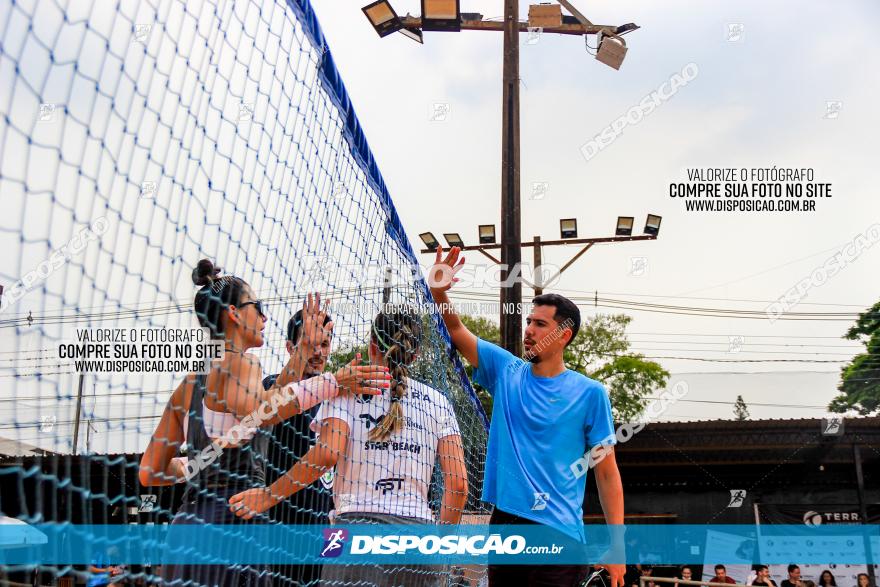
532	575
210	509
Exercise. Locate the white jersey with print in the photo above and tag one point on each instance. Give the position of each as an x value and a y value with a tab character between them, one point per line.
390	476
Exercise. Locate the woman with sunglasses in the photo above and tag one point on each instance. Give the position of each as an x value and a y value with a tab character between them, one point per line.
218	415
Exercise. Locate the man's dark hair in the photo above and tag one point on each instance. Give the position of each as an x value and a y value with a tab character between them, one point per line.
566	311
720	568
792	568
294	325
761	567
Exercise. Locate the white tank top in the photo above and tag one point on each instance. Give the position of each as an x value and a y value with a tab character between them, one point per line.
217	424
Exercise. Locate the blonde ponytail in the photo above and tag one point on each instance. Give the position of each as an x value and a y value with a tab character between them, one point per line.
398	352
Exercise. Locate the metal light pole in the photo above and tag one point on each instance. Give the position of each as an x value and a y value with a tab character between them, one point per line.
76	419
863	510
511	295
448	17
538	271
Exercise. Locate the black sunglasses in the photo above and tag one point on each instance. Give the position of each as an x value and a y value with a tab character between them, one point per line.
258	304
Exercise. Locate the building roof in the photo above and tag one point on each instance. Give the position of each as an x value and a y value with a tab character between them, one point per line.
16	448
688	453
856	422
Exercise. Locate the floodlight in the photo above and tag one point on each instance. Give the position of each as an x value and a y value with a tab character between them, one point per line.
652	226
612	49
383	18
626	28
487	234
430	240
441	15
413	33
453	239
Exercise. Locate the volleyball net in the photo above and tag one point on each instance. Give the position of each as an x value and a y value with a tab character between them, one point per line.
138	138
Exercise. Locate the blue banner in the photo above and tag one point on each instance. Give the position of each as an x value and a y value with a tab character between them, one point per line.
423	544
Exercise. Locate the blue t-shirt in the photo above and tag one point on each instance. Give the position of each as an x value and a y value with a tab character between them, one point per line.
540	427
99	579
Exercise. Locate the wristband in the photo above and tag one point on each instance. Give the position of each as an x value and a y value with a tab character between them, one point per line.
184	461
313	391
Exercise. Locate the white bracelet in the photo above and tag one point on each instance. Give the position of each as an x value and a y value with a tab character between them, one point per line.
313	391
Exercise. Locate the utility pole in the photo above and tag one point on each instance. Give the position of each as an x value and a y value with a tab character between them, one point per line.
386	287
549	19
79	399
511	295
863	511
538	272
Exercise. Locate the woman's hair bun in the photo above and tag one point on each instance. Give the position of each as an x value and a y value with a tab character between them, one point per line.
205	273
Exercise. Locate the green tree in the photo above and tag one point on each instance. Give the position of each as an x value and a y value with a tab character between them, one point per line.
740	409
600	351
483	328
860	379
344	356
630	379
602	337
488	331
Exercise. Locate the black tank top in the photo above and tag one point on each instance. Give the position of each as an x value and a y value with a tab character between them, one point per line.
236	469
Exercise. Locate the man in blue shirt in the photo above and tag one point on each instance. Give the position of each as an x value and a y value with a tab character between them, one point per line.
545	418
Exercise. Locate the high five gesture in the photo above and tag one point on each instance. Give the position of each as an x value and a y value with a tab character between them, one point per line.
441	276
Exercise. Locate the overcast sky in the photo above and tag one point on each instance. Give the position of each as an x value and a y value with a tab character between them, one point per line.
766	72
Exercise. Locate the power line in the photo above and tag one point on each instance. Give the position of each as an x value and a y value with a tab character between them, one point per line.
133	393
750	404
751	344
786	336
745	360
169	308
71	422
743	350
166	309
596	292
701	311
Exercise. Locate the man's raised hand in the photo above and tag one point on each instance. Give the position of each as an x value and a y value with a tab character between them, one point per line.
313	327
441	275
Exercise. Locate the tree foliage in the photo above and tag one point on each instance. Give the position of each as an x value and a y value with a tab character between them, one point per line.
344	356
860	379
630	379
740	409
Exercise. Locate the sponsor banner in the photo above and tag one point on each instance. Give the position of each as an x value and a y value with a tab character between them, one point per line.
423	544
817	515
736	551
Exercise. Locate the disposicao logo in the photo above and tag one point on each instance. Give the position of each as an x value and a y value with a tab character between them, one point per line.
334	542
